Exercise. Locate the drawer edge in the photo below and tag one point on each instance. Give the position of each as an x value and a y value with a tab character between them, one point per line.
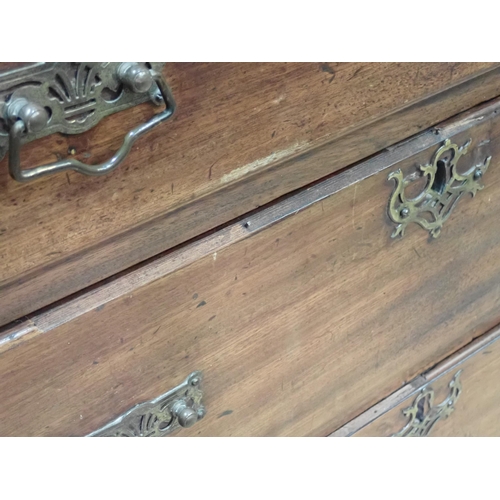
171	261
31	291
412	388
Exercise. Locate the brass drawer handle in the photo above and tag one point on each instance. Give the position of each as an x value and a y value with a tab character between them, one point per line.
444	187
423	414
179	407
72	99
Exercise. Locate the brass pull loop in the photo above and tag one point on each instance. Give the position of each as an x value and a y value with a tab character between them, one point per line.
30	117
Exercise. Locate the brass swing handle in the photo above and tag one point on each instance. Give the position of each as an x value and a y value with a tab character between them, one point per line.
28	116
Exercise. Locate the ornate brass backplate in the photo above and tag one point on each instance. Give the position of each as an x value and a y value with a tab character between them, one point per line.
179	407
70	98
423	414
444	187
75	95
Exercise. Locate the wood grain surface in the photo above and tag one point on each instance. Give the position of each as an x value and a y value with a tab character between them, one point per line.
230	148
301	316
477	409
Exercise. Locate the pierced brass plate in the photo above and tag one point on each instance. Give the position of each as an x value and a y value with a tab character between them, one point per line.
423	414
179	407
444	188
76	95
70	98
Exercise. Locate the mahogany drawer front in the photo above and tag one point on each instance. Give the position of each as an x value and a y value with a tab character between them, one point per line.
228	149
300	317
459	398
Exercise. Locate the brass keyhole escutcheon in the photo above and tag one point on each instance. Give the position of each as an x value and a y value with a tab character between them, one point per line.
443	189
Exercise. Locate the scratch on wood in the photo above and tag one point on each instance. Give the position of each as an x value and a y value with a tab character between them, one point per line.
354	74
212	166
452	69
263	162
416	76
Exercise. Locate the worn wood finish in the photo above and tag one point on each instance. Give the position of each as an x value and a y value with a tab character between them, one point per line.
222	155
477	409
299	322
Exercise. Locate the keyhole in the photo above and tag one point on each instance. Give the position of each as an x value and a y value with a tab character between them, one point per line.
440	178
421	410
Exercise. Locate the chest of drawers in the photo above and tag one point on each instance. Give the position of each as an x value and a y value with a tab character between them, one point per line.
294	245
